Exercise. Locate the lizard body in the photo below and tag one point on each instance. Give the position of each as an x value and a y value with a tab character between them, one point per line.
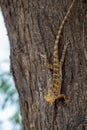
55	93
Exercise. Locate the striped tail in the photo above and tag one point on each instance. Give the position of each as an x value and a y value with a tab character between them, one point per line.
57	72
60	30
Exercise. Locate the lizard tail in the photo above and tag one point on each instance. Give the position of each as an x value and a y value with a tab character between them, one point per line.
60	30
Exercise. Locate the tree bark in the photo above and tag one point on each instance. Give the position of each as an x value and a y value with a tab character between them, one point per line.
32	26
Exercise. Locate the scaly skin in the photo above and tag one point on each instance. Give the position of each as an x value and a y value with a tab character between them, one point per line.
57	66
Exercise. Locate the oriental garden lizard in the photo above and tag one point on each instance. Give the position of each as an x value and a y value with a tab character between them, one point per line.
55	92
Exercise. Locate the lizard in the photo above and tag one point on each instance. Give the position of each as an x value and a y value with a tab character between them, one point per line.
55	92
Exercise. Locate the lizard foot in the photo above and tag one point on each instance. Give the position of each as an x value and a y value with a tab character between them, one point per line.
49	66
63	96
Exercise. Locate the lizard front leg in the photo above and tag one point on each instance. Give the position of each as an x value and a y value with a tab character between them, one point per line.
63	96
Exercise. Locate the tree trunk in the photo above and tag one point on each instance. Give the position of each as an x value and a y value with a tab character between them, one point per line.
32	27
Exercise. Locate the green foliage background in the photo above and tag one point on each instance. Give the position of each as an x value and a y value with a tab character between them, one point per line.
9	95
9	100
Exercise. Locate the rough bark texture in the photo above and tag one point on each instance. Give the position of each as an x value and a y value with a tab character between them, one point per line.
32	26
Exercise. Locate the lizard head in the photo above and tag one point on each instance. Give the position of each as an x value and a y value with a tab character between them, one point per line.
50	97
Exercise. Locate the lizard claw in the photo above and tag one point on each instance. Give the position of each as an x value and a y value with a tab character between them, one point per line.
67	101
44	57
67	44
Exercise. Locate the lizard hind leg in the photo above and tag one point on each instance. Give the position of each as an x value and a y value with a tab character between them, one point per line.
49	66
63	96
63	53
